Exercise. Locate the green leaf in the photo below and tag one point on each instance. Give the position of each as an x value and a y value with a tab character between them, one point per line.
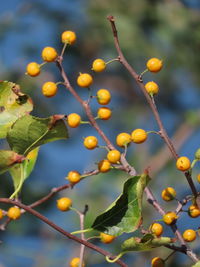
125	213
147	242
30	132
27	168
8	158
196	264
13	105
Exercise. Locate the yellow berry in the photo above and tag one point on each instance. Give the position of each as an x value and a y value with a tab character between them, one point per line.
1	214
113	156
75	262
98	65
103	96
154	64
168	194
107	239
104	165
198	178
84	80
123	139
183	164
49	54
49	89
152	88
138	136
170	217
33	69
64	203
189	235
104	113
74	177
68	37
157	262
14	213
156	229
90	142
73	120
193	211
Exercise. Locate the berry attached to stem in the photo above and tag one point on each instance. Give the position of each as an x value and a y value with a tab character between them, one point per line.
33	69
193	211
154	64
189	235
156	229
14	213
73	120
168	194
74	177
104	113
49	89
90	142
138	136
84	80
49	54
170	217
152	88
106	239
183	164
1	214
75	262
68	37
113	156
98	65
104	165
64	203
123	139
103	96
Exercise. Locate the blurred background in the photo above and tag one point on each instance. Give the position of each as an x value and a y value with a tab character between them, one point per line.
169	30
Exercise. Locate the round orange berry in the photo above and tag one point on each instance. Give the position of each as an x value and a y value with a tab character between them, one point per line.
113	156
14	213
157	262
49	89
104	165
90	142
183	164
84	80
73	120
49	54
152	88
156	229
106	239
103	96
68	37
170	217
198	178
138	136
104	113
154	64
98	65
123	139
33	69
189	235
75	262
74	177
64	203
193	211
1	214
168	194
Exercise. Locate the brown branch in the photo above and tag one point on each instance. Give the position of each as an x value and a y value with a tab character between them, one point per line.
150	100
60	230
